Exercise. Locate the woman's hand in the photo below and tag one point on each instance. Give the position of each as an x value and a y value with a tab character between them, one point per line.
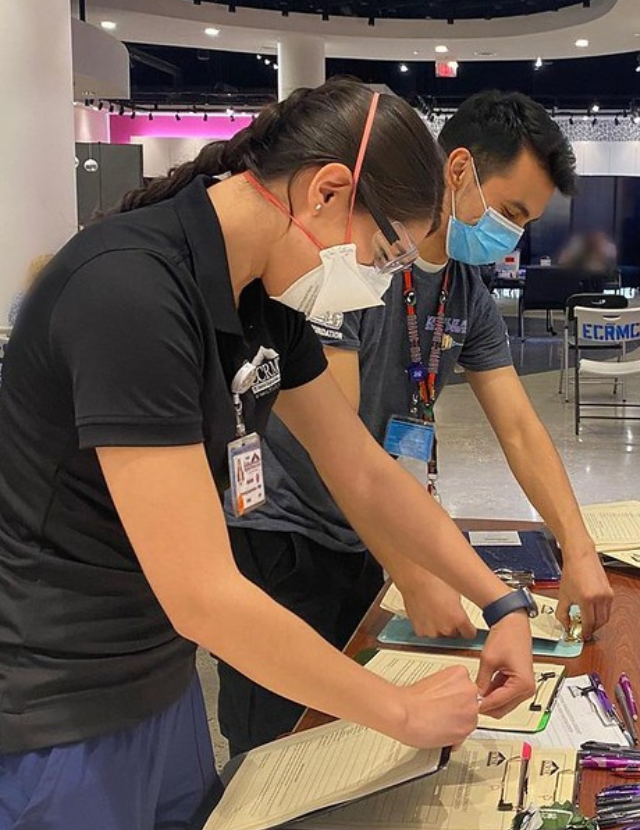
441	710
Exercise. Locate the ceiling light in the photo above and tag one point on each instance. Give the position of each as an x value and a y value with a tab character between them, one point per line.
231	112
585	117
442	49
259	57
636	119
595	107
275	66
267	61
109	25
403	67
212	31
415	54
538	63
582	43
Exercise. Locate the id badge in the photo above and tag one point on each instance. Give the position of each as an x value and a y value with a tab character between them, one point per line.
409	438
245	474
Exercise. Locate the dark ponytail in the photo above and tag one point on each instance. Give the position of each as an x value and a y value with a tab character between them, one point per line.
403	167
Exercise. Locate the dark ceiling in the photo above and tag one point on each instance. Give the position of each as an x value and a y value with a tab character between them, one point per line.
173	76
450	10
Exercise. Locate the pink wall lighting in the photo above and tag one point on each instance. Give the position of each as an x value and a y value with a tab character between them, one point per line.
124	128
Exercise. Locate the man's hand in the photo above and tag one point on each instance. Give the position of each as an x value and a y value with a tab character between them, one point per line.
584	583
434	608
506	676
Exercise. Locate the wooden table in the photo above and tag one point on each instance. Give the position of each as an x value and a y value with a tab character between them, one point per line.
615	649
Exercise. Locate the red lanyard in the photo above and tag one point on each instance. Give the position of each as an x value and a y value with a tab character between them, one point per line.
421	376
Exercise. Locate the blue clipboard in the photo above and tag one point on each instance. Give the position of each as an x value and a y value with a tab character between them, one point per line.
398	632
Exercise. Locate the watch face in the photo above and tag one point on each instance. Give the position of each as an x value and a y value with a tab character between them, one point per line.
532	608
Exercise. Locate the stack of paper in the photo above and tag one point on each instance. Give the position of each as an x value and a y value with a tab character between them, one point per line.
615	529
544	627
314	770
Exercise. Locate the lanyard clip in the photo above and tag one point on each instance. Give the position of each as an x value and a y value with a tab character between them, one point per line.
241	429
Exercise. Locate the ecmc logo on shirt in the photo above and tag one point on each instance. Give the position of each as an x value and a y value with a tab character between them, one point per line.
614	333
267	364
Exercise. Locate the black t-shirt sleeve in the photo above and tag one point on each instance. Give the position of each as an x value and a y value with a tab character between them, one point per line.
305	360
125	335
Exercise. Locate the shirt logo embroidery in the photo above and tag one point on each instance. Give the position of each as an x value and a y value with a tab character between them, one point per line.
267	363
451	326
328	325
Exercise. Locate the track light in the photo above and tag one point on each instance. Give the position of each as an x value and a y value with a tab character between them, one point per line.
178	117
595	107
121	110
133	114
150	116
205	117
538	64
232	7
325	15
403	68
571	121
636	119
100	105
371	21
112	108
594	121
616	121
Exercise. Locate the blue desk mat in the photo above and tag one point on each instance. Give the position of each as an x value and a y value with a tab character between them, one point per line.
398	632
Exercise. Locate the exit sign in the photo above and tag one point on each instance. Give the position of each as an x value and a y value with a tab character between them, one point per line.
446	69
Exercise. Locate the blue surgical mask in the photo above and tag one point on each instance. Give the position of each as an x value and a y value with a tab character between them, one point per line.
489	240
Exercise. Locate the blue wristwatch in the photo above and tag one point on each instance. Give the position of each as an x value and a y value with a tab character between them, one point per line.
522	599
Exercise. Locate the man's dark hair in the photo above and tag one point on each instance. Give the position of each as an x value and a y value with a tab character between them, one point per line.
496	126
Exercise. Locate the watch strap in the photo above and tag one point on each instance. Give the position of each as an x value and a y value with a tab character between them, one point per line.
515	601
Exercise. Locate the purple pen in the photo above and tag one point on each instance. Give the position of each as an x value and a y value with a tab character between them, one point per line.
601	692
628	693
600	762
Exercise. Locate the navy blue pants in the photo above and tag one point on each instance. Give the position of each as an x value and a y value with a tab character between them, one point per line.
152	777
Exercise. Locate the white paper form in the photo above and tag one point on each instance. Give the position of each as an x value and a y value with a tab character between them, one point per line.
406	667
613	526
314	770
478	790
544	627
575	720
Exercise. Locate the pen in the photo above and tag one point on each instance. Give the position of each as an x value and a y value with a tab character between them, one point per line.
603	762
613	819
620	789
626	713
601	692
628	693
596	746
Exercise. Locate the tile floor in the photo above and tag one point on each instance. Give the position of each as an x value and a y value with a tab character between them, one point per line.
475	481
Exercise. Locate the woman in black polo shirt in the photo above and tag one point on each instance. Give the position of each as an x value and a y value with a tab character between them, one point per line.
142	365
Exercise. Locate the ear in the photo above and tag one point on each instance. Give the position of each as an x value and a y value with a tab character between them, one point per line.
458	168
331	188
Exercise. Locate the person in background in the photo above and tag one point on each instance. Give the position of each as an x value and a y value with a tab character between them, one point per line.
34	270
506	156
592	251
140	376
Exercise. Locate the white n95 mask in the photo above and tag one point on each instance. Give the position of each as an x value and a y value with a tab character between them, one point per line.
338	284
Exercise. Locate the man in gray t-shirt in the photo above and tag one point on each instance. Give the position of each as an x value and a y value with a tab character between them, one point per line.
506	154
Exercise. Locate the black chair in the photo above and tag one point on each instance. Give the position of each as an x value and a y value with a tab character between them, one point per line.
547	288
599	301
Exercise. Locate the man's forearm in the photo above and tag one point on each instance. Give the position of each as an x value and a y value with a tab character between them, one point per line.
538	469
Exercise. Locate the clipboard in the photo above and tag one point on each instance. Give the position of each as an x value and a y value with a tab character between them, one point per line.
398	632
249	788
543	701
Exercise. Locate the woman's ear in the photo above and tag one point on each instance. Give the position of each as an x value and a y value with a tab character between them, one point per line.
330	189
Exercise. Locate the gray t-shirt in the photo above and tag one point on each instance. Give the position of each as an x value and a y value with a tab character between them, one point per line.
297	500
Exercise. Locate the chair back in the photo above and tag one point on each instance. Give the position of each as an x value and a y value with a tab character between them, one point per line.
549	288
608	326
601	301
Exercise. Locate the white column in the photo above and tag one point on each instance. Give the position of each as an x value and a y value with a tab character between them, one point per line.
300	63
38	211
